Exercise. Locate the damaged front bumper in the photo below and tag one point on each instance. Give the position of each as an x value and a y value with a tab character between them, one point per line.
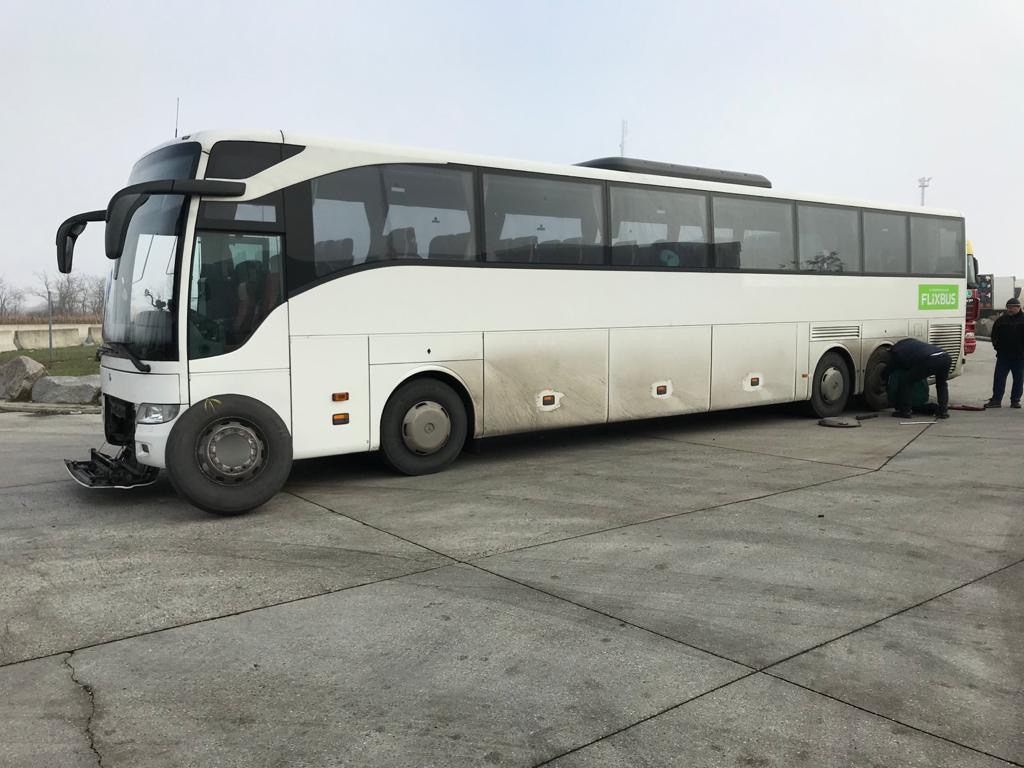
101	470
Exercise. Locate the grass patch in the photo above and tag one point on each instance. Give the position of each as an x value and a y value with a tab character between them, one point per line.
67	361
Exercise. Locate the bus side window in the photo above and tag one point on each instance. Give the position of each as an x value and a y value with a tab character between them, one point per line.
659	228
239	284
829	239
936	246
537	220
885	243
760	231
430	213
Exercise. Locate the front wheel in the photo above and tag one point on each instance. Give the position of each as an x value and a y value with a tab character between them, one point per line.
229	454
423	428
831	386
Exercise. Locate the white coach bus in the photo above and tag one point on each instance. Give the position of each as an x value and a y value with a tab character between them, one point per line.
276	298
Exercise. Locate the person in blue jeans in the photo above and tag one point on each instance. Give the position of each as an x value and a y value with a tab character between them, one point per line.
1008	342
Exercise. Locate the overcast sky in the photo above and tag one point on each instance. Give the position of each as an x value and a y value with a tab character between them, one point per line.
824	97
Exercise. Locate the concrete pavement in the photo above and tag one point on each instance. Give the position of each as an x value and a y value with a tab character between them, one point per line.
738	589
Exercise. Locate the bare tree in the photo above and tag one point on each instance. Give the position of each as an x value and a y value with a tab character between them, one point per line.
95	293
11	299
67	292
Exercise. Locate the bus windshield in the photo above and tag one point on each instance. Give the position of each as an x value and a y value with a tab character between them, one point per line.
140	305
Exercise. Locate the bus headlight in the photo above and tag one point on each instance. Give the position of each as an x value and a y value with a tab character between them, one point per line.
156	413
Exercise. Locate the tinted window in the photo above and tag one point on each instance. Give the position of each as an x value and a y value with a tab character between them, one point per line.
753	234
236	282
659	227
178	161
242	159
542	221
936	246
393	212
829	239
885	242
263	210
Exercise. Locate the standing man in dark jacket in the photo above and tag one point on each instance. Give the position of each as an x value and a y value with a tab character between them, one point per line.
1008	342
918	361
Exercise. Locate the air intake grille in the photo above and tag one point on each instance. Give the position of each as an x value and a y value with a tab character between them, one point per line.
948	337
835	332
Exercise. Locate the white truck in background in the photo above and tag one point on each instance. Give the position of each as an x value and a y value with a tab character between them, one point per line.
994	291
1004	288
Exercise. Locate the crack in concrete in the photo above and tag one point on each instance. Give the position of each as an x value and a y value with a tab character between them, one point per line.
92	707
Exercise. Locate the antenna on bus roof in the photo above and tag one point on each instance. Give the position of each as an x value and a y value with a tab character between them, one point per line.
177	105
654	168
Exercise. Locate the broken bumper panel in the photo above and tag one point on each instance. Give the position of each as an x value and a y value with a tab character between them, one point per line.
103	471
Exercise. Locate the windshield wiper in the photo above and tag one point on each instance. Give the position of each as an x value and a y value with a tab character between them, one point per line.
118	346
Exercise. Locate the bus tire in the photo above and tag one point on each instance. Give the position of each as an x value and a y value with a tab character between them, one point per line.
831	386
229	454
876	395
423	427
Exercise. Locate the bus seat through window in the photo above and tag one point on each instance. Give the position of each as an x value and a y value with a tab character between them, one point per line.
216	279
250	280
450	246
548	252
401	244
332	255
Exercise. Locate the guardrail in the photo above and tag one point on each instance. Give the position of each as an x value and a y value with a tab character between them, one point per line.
14	337
40	339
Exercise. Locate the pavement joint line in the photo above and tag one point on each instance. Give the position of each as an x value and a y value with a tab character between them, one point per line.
220	616
894	614
892	719
534	588
901	450
378	529
925	473
624	622
672	515
643	720
442	491
760	453
979	437
659	518
92	706
762	670
32	485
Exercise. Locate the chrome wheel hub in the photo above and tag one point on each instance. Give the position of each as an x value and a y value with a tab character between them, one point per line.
230	452
426	428
831	386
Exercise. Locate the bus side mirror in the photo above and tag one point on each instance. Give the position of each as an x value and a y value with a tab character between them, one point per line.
120	212
67	234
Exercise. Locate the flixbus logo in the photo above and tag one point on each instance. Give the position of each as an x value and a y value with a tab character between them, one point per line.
938	297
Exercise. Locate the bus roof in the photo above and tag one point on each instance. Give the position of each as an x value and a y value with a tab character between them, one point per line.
388	153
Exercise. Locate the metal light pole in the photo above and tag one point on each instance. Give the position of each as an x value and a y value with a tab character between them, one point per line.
923	182
622	143
49	305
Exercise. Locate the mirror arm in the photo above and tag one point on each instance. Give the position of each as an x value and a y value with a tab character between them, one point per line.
67	234
204	187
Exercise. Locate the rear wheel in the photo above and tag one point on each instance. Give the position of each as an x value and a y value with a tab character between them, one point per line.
423	428
229	454
831	386
876	395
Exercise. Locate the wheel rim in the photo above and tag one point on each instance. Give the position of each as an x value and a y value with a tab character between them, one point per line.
426	428
832	385
231	451
876	380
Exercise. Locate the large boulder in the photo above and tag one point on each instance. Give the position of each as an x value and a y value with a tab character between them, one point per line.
78	390
17	377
